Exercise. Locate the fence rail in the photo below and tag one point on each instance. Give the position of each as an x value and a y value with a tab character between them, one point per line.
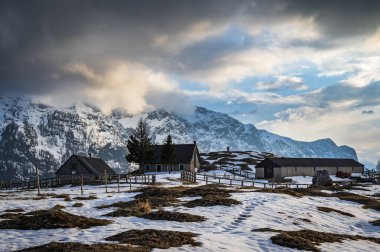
143	179
211	179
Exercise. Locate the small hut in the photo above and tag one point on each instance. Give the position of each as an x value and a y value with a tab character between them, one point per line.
88	167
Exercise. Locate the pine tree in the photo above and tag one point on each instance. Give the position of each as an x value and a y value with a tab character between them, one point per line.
139	144
168	152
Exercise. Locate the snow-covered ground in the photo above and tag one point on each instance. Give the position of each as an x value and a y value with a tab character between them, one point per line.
226	228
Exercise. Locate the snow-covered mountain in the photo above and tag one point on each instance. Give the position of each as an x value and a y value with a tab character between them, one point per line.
35	134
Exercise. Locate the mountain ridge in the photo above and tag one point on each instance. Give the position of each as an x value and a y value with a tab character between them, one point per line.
38	135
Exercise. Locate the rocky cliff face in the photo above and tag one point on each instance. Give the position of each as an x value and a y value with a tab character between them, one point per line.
37	135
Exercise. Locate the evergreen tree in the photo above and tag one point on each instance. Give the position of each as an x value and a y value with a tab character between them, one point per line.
168	152
139	144
378	166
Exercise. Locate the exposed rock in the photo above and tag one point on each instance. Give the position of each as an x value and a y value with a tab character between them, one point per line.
322	178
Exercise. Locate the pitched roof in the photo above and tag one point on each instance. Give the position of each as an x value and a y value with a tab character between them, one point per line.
95	165
183	154
310	162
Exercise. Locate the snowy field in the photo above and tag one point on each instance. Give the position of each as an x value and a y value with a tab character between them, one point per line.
228	228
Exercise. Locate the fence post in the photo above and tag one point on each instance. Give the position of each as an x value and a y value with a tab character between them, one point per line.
118	183
81	184
130	183
206	180
230	182
105	180
38	182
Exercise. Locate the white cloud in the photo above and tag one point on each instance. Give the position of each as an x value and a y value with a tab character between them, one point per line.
126	85
345	125
283	81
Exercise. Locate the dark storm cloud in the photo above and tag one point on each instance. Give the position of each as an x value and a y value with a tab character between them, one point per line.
39	38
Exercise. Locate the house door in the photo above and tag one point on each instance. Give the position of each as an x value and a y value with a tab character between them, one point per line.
159	168
268	172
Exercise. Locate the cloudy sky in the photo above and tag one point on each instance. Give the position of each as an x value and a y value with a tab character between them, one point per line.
303	69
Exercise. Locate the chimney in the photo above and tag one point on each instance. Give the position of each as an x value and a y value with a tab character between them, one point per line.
195	142
228	149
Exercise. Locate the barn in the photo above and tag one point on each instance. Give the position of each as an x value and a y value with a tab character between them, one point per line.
89	167
278	168
187	158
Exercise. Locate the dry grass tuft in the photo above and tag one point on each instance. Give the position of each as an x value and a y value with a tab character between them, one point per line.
328	210
153	238
144	206
79	247
78	204
50	219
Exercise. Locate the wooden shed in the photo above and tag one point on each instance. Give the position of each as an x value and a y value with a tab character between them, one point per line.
187	158
278	168
78	165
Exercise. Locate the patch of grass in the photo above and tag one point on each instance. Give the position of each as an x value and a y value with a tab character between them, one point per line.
15	210
207	190
79	247
157	215
366	201
150	192
50	219
66	197
10	215
213	200
174	216
78	204
153	238
375	223
328	210
91	197
295	192
155	202
309	239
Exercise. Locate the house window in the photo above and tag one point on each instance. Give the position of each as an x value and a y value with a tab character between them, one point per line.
181	167
159	168
147	167
314	168
73	169
295	168
352	168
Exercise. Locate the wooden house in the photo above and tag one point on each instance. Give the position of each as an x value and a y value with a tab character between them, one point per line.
78	165
187	158
278	168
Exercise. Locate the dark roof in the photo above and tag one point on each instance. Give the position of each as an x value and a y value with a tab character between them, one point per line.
95	165
310	162
183	154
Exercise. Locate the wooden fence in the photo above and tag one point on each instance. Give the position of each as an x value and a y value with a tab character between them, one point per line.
210	179
142	179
